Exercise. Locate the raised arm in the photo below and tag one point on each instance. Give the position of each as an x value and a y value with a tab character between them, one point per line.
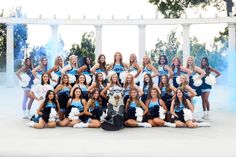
81	69
171	73
34	71
19	72
94	68
103	92
139	69
155	72
215	71
200	71
65	69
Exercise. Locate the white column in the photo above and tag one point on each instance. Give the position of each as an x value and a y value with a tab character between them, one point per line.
54	45
10	56
186	44
231	56
98	49
142	44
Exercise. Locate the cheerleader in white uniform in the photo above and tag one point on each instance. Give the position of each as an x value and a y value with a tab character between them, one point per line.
206	88
26	69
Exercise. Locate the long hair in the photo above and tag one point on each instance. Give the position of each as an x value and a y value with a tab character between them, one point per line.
136	99
73	93
99	99
149	94
62	79
149	60
42	82
121	59
28	66
77	81
183	85
76	62
177	101
167	84
131	83
135	61
150	83
165	58
117	82
56	61
97	82
54	100
191	67
44	66
206	67
178	66
85	62
102	65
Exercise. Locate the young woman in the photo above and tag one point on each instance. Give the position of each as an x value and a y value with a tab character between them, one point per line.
148	68
81	83
194	70
205	88
26	69
147	85
118	66
71	69
93	109
100	84
63	94
45	111
58	65
40	69
134	68
100	66
163	68
39	91
78	103
189	92
132	103
167	93
178	69
178	104
129	84
85	69
156	114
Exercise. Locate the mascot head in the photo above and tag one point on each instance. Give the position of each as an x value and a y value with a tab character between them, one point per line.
116	94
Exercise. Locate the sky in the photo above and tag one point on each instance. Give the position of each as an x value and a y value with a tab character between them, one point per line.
115	38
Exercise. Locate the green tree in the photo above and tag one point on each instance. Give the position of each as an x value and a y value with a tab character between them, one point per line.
85	48
3	34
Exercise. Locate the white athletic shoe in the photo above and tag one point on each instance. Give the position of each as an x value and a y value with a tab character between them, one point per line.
30	124
203	124
205	117
168	124
146	125
80	125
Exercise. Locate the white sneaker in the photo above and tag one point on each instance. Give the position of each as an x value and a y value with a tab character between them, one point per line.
168	124
203	124
30	124
80	125
146	125
205	117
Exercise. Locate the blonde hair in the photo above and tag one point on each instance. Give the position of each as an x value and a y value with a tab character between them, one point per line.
71	57
191	67
56	61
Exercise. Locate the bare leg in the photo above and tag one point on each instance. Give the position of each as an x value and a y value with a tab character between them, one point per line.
203	101
151	122
159	122
190	124
94	123
131	123
179	124
207	101
64	122
51	125
73	122
40	125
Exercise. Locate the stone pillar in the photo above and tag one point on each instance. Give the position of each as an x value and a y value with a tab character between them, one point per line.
142	46
54	48
186	43
10	56
98	49
231	56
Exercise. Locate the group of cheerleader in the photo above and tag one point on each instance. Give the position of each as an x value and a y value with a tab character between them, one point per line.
76	96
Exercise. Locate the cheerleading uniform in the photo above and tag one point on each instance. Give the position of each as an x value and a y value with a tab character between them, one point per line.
205	87
84	90
154	108
47	110
126	94
166	97
63	97
145	93
96	110
180	113
161	72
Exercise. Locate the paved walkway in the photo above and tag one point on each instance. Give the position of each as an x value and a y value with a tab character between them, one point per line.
219	140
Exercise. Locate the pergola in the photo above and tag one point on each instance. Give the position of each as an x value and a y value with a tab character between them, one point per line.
98	23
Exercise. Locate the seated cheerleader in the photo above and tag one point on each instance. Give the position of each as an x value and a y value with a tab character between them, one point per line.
81	83
134	114
182	109
47	111
189	92
75	109
157	109
63	94
93	109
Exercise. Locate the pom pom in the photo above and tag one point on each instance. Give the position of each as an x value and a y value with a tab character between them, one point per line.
88	79
136	80
53	83
72	78
139	114
54	76
178	80
162	112
187	114
25	80
73	114
53	115
123	76
210	80
197	81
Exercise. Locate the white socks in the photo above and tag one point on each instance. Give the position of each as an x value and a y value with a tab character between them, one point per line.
168	124
205	115
81	125
145	125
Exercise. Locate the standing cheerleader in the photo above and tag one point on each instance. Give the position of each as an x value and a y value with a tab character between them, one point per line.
163	68
75	109
71	69
129	84
178	69
194	70
157	109
26	69
40	69
135	117
39	91
206	88
100	84
63	94
182	109
189	92
134	68
148	68
147	85
85	69
167	93
118	66
56	70
100	66
93	109
47	111
81	83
